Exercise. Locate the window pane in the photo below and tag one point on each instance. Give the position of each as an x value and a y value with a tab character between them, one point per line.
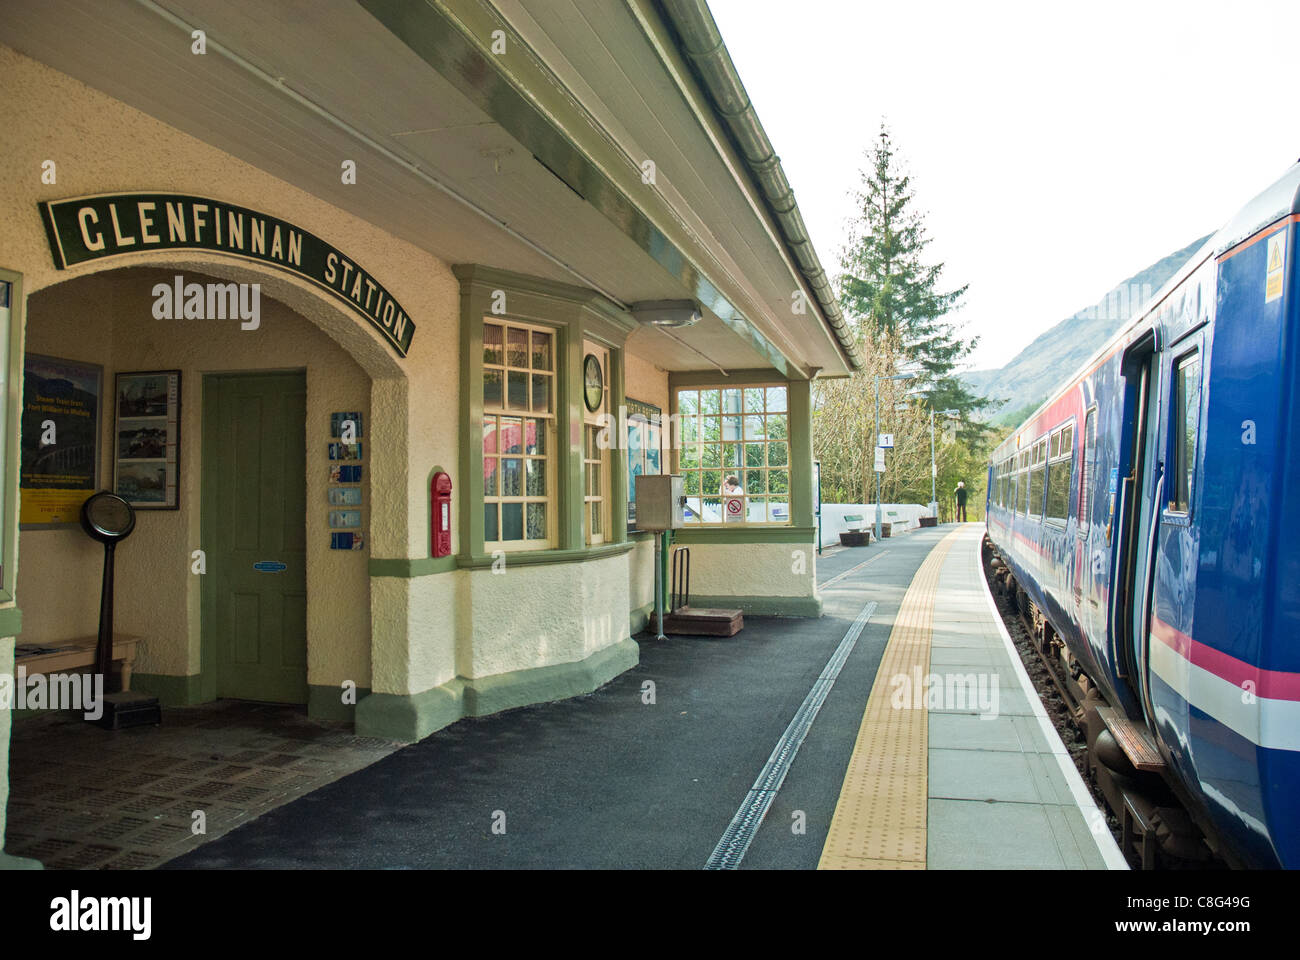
1036	479
491	343
754	482
490	522
776	399
535	437
595	516
490	478
536	521
541	351
1187	409
490	435
731	401
711	483
712	455
517	391
778	481
1056	445
1089	468
541	393
512	521
511	435
777	455
492	389
536	480
1058	488
512	478
731	428
754	400
710	429
692	483
516	347
690	429
709	401
690	457
754	428
731	453
688	403
754	455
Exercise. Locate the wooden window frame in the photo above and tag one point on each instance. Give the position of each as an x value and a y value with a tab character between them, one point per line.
496	414
685	465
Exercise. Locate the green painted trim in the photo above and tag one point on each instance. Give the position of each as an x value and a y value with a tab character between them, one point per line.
799	430
740	533
537	290
326	703
407	718
765	606
639	619
209	457
172	691
9	862
573	314
540	557
11	622
519	688
617	470
520	92
411	568
13	400
734	378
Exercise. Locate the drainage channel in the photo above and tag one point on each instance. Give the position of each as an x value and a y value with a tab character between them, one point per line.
735	842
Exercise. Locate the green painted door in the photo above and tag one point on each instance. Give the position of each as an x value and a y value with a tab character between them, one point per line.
254	533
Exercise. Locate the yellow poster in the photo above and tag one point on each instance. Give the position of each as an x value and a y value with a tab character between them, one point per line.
60	439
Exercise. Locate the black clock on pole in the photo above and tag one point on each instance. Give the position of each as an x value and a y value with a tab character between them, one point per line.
109	519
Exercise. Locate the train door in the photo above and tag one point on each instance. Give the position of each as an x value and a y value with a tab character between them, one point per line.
1139	496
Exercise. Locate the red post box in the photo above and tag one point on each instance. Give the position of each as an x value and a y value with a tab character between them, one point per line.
440	514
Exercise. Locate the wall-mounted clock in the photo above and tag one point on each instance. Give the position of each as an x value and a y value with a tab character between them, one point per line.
593	383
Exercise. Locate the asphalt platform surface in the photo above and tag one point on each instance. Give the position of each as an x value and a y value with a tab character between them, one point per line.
605	780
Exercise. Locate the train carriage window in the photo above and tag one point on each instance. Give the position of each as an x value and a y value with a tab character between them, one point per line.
1037	479
1184	429
1089	468
1059	468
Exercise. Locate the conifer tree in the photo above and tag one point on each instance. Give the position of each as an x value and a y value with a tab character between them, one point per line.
888	288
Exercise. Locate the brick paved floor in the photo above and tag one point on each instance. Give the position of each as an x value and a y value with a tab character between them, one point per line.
85	798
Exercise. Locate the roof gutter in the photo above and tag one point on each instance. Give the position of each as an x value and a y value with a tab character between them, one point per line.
701	43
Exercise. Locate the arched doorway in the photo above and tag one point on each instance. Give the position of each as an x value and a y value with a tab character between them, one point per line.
257	403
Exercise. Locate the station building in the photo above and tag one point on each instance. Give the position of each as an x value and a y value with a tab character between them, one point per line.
280	272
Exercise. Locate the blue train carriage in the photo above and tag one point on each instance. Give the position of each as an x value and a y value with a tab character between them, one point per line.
1140	518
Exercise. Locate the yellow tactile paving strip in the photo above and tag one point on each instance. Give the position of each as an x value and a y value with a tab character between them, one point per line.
880	818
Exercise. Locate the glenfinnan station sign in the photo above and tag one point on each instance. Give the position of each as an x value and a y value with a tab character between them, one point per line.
108	225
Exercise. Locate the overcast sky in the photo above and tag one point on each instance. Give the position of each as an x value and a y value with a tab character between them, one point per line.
1056	149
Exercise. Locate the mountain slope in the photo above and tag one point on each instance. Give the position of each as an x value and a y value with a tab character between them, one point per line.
1034	372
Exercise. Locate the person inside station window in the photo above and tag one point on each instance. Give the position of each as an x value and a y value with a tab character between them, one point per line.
961	501
732	486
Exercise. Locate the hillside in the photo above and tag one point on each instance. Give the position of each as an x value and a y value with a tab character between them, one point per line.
1032	374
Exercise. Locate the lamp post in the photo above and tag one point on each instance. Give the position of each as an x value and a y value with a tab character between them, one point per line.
897	376
934	471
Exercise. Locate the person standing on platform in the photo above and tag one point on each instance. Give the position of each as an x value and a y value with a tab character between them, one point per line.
961	501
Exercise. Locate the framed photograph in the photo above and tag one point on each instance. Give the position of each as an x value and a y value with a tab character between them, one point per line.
59	439
643	444
147	439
